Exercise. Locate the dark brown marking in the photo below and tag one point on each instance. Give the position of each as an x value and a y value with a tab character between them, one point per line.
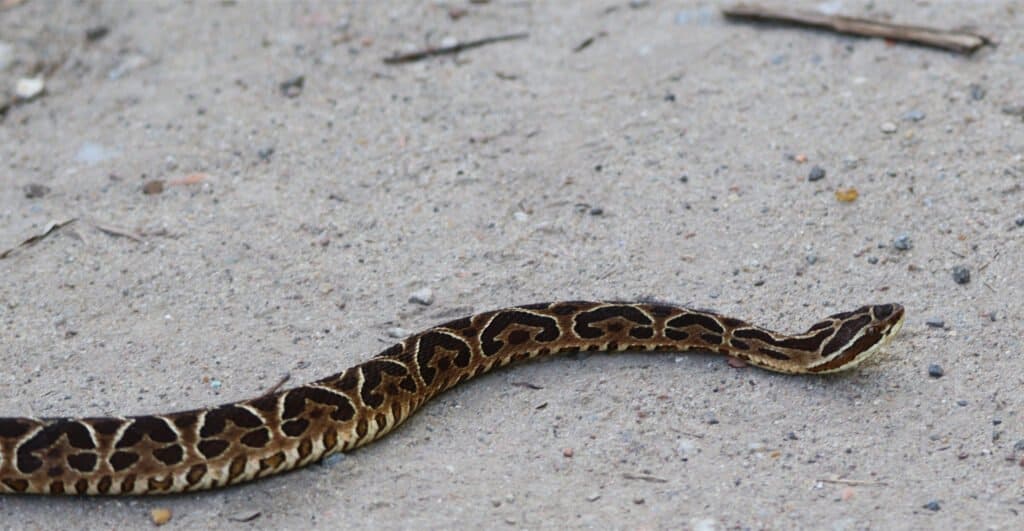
458	325
155	428
121	460
266	403
856	349
845	334
305	448
295	402
17	485
57	487
195	474
169	455
81	486
104	426
584	321
103	486
428	345
677	335
808	343
361	428
737	344
212	448
517	337
714	339
11	428
271	462
491	345
771	353
641	332
128	484
185	421
732	322
216	420
660	310
696	319
330	439
158	484
294	428
55	471
256	438
237	467
83	462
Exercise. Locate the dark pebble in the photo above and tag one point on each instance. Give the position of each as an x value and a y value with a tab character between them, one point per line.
872	259
932	505
670	97
710	419
961	403
812	259
35	191
291	88
902	243
817	173
996	422
792	436
977	92
597	211
935	370
153	187
686	179
1018	446
1019	221
961	275
935	323
96	33
265	153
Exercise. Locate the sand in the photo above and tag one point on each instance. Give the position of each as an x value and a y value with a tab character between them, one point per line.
667	159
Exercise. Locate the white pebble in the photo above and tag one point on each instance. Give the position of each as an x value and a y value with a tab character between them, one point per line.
397	332
521	216
888	128
29	87
423	296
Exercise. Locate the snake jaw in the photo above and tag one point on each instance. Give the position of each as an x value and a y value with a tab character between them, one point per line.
886	320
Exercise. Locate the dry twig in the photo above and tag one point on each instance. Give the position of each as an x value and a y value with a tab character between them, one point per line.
957	41
50	228
455	48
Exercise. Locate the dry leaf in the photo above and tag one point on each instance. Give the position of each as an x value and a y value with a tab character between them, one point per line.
847	195
32	240
194	178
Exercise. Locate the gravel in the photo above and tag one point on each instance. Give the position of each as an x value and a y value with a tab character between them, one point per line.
935	323
961	275
935	370
817	173
932	505
902	243
423	296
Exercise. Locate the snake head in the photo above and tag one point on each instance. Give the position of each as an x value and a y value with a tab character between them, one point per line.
856	336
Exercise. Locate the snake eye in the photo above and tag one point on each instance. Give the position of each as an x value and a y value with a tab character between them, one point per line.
883	310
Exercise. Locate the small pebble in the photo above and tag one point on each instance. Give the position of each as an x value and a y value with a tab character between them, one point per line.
265	153
596	211
817	173
961	403
216	384
811	259
996	422
872	259
96	33
1019	221
961	275
423	296
792	436
935	323
888	128
520	216
567	452
153	187
638	500
35	191
29	87
160	515
593	497
291	88
913	115
710	419
932	505
935	370
902	243
977	92
398	332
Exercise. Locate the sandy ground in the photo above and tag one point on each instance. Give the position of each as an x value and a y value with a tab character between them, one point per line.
663	160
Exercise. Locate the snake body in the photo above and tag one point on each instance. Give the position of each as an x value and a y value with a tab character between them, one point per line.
241	441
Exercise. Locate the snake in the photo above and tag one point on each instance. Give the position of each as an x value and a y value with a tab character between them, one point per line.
287	429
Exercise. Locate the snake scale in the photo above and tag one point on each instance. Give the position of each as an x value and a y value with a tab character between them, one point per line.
279	431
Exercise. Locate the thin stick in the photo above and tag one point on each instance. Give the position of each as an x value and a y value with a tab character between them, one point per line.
444	50
852	482
957	41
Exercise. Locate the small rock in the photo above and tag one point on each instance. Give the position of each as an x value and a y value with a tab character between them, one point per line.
872	260
567	452
397	332
902	243
520	216
913	115
710	419
792	436
292	88
961	403
449	42
160	515
593	497
888	128
153	187
811	259
935	323
96	33
932	505
265	153
977	92
29	87
1019	221
996	422
638	500
35	191
245	516
596	211
216	385
423	296
935	370
1013	110
817	173
961	275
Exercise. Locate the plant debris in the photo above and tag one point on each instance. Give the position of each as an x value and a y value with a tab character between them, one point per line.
455	48
957	41
50	228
